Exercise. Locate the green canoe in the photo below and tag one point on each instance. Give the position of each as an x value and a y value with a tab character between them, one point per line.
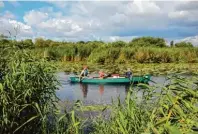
111	80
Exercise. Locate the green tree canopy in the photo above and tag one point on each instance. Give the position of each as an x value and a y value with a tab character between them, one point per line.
40	42
28	43
119	44
172	43
184	44
148	41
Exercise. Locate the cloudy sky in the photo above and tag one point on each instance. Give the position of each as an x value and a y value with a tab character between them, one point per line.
101	20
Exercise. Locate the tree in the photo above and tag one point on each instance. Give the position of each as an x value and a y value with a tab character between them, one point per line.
27	43
172	43
40	42
148	41
80	42
184	44
2	36
119	44
4	40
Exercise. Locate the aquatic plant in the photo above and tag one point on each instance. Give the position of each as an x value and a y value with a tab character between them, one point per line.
139	50
172	109
28	103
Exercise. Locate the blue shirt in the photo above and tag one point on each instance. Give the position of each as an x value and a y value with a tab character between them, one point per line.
128	74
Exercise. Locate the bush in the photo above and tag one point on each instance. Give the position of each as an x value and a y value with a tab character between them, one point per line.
148	41
183	44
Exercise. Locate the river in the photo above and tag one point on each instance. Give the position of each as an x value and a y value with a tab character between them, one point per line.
94	94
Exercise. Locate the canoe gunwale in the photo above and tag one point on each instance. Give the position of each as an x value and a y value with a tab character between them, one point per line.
111	80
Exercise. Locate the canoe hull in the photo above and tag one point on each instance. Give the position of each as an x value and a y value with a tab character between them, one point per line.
110	80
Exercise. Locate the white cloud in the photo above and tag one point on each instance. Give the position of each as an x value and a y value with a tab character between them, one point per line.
1	4
108	20
34	17
7	27
84	20
192	39
187	5
185	13
65	26
178	14
142	8
60	4
117	38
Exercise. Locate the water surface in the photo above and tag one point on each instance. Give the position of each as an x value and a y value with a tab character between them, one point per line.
94	94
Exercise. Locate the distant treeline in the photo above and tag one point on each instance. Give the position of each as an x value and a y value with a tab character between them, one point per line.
140	50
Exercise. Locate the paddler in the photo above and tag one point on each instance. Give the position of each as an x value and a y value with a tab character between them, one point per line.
128	73
84	72
101	74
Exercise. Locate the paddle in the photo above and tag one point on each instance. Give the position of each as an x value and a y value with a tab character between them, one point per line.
108	75
80	78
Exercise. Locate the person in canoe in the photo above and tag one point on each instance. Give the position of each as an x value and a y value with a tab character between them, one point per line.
101	74
84	73
128	74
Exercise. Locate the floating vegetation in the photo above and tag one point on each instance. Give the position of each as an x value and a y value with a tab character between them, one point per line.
137	68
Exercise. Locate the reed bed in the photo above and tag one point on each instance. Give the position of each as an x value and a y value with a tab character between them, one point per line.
105	54
140	50
28	103
173	109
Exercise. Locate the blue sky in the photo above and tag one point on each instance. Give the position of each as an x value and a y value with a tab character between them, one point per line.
101	20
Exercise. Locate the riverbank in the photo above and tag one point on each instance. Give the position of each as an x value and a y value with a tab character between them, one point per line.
154	69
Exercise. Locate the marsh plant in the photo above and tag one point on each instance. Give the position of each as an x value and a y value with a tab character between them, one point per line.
171	109
138	50
28	103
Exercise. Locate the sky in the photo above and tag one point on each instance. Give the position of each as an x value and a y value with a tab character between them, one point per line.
100	20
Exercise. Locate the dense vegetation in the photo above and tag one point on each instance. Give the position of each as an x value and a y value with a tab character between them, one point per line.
142	55
28	103
171	110
139	50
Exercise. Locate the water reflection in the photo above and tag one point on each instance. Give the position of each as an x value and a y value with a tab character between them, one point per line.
127	87
93	93
84	88
101	89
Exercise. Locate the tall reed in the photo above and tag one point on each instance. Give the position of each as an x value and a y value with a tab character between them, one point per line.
166	109
28	101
